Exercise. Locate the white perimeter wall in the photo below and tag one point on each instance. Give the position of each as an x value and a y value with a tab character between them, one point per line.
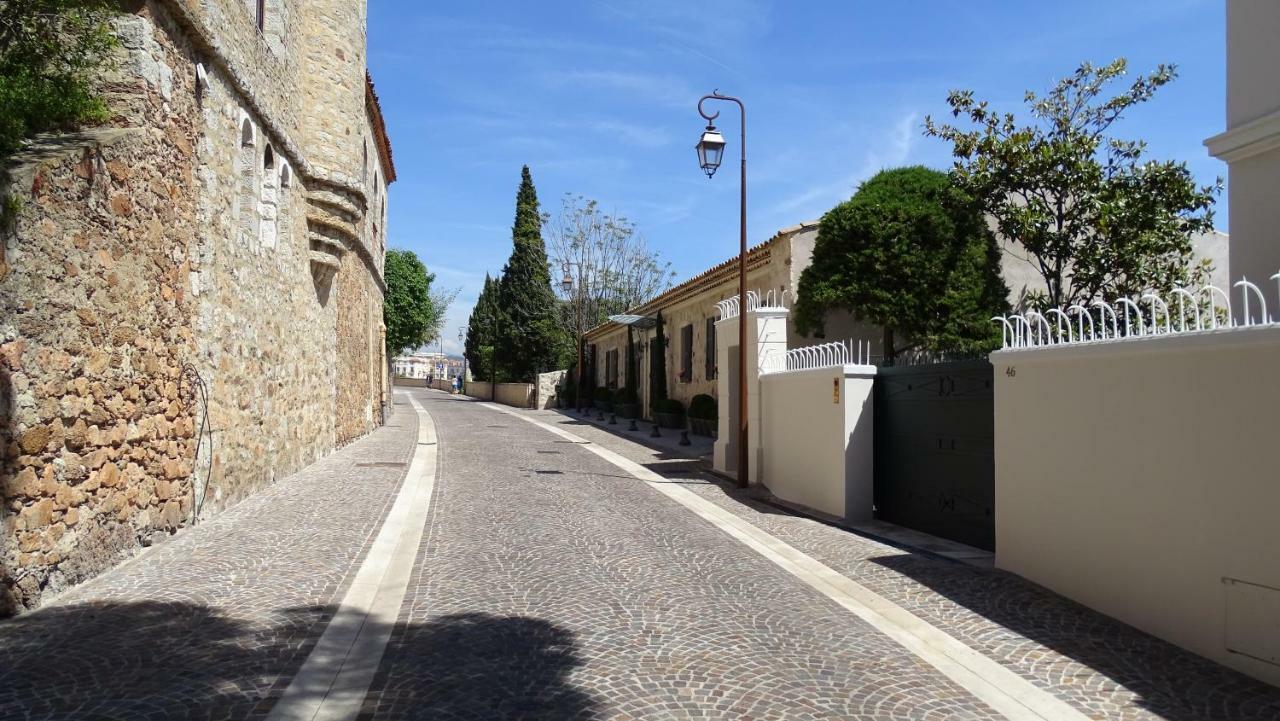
1135	477
816	444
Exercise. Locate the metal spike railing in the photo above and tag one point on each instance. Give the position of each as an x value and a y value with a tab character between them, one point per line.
811	357
771	300
1179	312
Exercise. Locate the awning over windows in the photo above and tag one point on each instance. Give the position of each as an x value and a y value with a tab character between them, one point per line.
642	322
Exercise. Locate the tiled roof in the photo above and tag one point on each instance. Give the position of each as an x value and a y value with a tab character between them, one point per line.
756	256
379	128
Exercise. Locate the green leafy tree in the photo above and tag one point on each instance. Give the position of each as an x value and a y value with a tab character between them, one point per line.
411	312
658	366
531	338
912	254
1097	217
482	331
50	55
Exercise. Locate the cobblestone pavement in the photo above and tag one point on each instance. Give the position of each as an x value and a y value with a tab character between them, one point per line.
214	622
1105	668
550	584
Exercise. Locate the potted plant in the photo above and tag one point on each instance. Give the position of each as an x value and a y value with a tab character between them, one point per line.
670	413
703	414
626	403
602	398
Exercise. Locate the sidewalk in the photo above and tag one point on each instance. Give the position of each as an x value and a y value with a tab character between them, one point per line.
214	622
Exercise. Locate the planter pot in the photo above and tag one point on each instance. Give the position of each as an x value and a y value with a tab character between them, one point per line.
603	406
704	426
628	410
674	421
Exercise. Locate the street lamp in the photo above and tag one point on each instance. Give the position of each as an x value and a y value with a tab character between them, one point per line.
567	285
462	334
710	152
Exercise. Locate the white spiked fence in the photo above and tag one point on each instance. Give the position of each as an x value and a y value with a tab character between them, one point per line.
826	355
772	300
1149	315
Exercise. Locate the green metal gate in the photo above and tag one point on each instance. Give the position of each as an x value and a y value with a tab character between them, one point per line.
935	449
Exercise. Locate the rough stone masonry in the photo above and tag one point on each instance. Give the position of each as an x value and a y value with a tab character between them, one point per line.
191	294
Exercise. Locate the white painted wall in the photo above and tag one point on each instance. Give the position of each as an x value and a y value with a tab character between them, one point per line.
816	430
1136	476
1251	143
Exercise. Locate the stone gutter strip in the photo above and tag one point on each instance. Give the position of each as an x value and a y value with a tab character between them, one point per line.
335	678
1004	691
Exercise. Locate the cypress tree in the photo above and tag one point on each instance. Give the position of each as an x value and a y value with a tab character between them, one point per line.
480	331
631	389
530	339
658	368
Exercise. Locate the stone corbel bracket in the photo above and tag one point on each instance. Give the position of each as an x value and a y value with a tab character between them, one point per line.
334	213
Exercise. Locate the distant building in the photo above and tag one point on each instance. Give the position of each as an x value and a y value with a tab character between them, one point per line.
423	365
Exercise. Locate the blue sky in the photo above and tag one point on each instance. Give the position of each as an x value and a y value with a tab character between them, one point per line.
598	98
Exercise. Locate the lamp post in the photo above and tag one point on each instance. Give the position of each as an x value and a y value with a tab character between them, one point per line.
462	335
568	286
710	152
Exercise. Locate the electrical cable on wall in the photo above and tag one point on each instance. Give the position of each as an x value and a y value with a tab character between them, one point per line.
201	392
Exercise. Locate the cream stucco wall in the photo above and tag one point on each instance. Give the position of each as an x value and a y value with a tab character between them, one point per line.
1251	143
1152	481
824	462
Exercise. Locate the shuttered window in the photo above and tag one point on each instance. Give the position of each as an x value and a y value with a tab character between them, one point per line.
686	353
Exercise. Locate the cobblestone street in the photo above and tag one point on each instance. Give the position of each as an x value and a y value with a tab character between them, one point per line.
564	572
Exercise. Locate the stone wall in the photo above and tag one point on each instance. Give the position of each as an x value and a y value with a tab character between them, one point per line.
265	331
98	435
190	244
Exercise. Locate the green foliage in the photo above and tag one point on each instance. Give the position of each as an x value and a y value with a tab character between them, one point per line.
704	407
411	312
658	366
669	405
10	206
629	387
1097	217
568	390
602	394
482	330
531	338
50	53
627	394
910	253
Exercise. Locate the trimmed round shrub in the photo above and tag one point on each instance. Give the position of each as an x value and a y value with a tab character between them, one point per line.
703	406
669	405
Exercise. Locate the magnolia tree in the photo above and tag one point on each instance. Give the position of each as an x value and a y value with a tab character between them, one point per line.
1094	215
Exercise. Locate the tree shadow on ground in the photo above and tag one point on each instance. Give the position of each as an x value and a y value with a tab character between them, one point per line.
171	660
479	666
1170	682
